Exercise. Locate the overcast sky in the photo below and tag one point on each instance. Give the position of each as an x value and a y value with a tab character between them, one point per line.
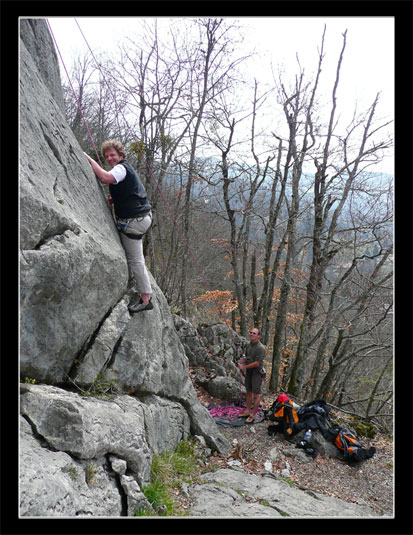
368	66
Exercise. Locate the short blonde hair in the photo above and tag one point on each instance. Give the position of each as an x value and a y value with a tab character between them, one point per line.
113	144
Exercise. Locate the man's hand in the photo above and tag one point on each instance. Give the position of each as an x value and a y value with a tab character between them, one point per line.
101	174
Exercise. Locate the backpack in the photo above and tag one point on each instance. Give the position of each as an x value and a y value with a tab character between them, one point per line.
352	450
315	415
283	413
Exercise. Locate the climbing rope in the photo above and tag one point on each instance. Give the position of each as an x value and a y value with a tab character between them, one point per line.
74	92
142	156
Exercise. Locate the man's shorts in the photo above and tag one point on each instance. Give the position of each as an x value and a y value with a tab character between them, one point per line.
253	381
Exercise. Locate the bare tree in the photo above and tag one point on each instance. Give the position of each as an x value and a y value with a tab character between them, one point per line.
215	74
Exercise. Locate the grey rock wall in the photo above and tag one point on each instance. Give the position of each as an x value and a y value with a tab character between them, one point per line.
72	266
81	455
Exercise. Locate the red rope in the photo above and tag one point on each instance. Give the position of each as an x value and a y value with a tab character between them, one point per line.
73	91
180	231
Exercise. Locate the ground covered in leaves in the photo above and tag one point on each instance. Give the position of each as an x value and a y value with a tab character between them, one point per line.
369	483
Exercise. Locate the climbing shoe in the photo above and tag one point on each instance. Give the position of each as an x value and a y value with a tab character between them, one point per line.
140	306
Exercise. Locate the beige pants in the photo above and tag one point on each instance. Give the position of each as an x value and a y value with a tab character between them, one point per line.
134	252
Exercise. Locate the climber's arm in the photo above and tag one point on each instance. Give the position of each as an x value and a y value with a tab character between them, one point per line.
103	176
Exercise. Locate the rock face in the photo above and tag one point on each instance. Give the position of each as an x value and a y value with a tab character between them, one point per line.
229	492
82	455
73	269
213	351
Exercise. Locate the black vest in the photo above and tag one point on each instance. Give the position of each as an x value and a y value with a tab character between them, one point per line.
129	195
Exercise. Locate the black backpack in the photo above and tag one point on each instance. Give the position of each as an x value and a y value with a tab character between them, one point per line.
314	415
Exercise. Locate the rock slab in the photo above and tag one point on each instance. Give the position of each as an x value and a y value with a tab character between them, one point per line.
232	492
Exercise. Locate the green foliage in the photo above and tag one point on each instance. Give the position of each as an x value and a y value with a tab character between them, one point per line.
29	380
102	387
137	148
168	471
72	472
363	429
161	500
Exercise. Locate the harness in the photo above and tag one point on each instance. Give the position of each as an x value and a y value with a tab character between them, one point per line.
122	225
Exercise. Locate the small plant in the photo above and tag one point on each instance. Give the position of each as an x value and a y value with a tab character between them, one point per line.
90	474
30	381
102	387
72	472
289	481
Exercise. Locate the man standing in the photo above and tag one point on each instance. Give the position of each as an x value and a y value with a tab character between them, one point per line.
252	363
133	214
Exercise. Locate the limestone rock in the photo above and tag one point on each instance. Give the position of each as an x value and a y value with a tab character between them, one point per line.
53	483
89	428
194	346
98	356
135	497
35	36
118	465
217	349
225	388
72	268
229	492
213	500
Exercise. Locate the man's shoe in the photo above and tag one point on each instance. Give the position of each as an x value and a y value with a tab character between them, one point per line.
140	306
244	414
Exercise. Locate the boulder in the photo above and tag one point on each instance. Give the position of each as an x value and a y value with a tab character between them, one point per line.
54	483
233	493
324	447
91	428
226	388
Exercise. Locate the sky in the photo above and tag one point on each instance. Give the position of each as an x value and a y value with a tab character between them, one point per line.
368	65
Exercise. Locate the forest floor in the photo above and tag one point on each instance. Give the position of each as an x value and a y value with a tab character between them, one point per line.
369	483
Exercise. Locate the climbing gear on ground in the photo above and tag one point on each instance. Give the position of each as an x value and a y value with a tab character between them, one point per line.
308	448
314	415
352	449
140	306
226	414
283	413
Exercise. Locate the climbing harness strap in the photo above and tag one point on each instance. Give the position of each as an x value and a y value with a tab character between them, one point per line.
123	225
